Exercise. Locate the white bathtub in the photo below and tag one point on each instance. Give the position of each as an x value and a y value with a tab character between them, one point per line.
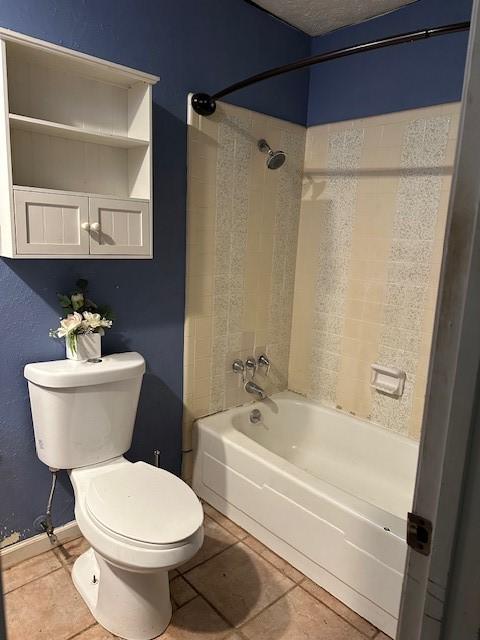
326	491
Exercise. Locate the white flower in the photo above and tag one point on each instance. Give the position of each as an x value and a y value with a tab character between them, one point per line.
69	324
93	321
77	301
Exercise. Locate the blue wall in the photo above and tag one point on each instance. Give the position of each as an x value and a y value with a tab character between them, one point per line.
193	46
406	76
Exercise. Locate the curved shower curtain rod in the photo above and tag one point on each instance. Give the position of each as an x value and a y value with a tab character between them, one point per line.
205	104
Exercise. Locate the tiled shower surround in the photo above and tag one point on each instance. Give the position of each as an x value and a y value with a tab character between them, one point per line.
371	234
241	253
354	260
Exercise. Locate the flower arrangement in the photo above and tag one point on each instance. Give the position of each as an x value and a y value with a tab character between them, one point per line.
82	316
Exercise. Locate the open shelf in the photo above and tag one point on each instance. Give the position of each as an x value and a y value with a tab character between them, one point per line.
40	159
25	123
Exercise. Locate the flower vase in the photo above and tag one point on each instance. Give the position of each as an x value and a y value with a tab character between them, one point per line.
89	347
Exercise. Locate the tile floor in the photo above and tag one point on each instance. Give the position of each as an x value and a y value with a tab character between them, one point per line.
235	588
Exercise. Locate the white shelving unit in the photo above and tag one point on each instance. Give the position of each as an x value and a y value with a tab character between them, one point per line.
75	154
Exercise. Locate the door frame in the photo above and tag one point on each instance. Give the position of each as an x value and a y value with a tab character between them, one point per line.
430	606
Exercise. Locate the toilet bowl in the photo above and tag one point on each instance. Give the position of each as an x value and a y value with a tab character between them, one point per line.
140	521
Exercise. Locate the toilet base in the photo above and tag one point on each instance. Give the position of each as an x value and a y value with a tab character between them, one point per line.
134	606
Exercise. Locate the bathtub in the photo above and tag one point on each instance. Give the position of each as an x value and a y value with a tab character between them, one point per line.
326	491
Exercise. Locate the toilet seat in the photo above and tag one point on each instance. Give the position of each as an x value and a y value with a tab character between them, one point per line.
144	504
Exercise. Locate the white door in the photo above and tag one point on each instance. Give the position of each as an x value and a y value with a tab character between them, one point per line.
119	227
51	224
441	590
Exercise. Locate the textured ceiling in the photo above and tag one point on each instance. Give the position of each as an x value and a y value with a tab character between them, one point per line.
320	16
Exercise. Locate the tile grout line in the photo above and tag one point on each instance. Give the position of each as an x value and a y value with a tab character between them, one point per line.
304	577
237	540
202	597
219	613
200	564
179	606
241	626
338	614
24	584
223	527
59	555
90	626
244	624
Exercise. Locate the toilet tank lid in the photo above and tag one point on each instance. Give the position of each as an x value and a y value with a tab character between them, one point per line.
70	373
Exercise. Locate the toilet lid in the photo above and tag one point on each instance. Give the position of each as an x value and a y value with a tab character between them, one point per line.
144	503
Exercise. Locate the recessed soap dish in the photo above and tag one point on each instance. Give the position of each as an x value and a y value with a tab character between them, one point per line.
388	380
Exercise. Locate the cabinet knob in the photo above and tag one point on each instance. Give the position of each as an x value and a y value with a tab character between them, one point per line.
95	226
85	226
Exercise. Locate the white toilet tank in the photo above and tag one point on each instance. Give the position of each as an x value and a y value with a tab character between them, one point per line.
84	412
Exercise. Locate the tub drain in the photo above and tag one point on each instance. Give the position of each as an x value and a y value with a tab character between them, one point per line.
255	416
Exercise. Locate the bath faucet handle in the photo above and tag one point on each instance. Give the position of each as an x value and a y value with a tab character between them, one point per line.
251	365
263	361
239	367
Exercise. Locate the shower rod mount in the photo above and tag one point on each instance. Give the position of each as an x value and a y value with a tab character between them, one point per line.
205	104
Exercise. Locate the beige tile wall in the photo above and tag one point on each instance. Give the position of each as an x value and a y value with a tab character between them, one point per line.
371	233
360	282
241	252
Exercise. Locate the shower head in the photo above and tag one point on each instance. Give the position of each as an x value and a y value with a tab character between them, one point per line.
275	159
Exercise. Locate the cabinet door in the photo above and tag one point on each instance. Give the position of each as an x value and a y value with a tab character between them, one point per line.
51	224
119	227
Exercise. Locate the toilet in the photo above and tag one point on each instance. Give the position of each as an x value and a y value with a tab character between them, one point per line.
140	521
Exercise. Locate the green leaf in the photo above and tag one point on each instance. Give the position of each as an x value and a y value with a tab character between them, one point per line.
106	312
82	285
64	300
90	306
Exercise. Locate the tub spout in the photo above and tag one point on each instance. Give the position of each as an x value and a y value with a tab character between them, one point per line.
252	387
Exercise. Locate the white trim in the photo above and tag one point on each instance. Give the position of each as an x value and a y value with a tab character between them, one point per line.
63	192
452	391
55	49
79	256
32	547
